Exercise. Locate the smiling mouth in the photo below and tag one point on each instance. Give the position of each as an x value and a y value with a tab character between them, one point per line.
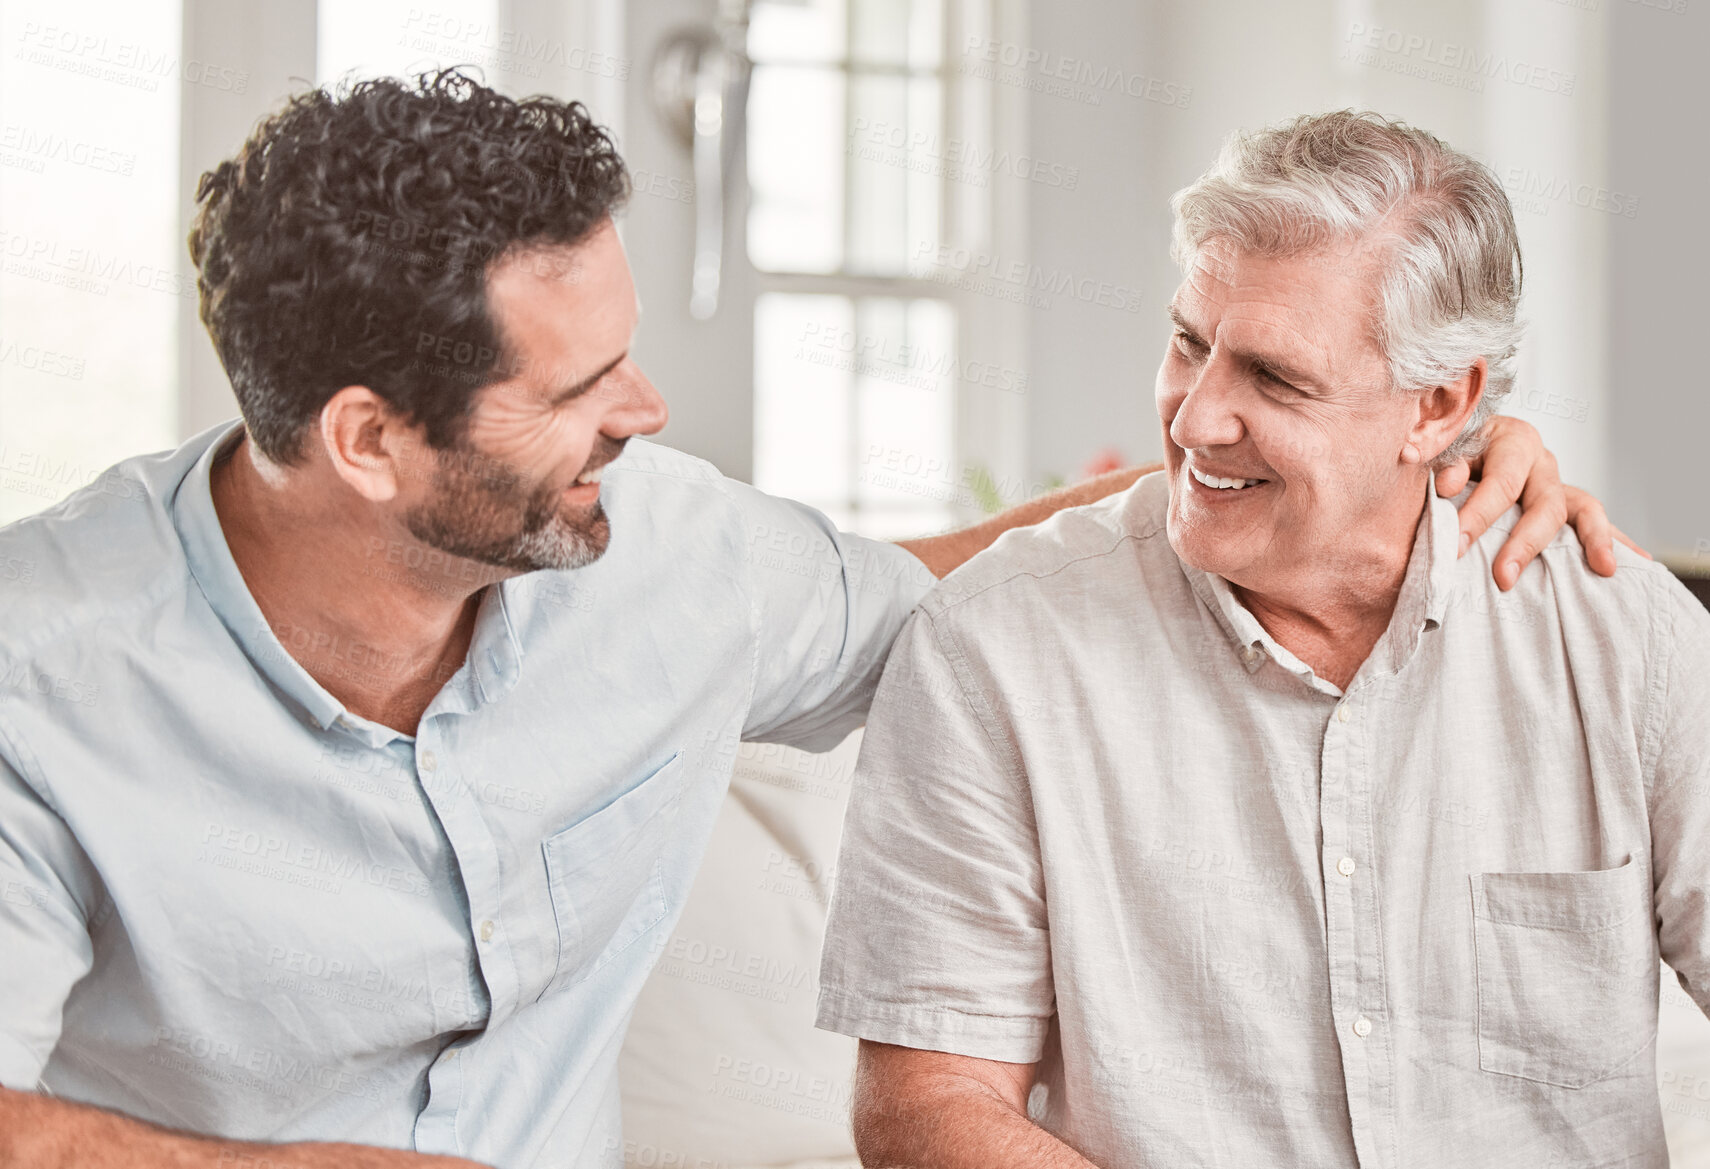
607	452
1221	484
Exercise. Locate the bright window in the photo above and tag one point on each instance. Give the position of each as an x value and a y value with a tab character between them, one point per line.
855	351
94	269
854	408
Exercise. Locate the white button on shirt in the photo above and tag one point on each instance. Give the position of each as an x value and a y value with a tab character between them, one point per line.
1080	821
1345	866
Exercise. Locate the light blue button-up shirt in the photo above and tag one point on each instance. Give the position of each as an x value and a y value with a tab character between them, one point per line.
231	906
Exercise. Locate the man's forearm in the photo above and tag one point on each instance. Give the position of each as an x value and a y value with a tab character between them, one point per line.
40	1132
951	1123
944	553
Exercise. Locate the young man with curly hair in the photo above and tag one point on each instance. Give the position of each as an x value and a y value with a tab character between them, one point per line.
363	751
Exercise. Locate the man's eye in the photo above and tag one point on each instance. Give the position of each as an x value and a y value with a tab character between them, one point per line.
1189	344
569	400
1267	375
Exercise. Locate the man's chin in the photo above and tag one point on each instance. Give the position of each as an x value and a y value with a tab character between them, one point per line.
1207	551
563	545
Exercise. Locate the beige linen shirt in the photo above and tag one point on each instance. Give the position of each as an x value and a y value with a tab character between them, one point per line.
1103	821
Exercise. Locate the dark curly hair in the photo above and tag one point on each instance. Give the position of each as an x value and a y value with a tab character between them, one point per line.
349	241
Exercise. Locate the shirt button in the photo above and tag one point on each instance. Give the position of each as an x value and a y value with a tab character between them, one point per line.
1362	1026
1342	713
1345	866
486	931
429	761
1250	654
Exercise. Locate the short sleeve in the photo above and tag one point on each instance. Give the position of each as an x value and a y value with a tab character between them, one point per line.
1680	790
46	888
829	605
937	936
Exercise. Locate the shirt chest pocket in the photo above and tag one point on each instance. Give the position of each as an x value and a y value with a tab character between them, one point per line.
606	875
1567	973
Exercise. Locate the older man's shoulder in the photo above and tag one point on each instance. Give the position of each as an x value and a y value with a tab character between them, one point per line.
1101	544
1561	580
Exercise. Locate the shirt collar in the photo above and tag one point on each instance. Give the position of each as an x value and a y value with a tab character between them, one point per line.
495	652
1424	595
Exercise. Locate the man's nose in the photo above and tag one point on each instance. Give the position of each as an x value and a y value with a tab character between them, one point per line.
1207	416
637	407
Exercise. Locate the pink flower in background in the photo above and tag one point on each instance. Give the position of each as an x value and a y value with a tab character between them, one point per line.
1108	459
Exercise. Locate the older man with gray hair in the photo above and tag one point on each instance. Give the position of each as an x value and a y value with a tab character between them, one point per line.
1237	821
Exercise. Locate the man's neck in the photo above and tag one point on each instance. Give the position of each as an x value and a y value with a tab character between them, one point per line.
1334	614
378	634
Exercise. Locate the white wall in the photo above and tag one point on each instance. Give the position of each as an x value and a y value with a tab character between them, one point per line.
1659	411
704	369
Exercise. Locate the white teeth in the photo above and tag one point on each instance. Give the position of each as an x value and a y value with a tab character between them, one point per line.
1223	484
589	477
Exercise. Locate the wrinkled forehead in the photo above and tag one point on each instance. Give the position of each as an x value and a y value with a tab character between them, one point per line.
1321	305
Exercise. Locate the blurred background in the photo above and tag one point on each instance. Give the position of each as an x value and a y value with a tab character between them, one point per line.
906	260
931	235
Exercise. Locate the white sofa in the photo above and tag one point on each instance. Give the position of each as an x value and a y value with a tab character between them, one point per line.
723	1068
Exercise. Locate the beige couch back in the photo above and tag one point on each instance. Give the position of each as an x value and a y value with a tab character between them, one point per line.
723	1068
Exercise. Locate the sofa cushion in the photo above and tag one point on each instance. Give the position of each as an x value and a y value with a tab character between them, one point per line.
723	1066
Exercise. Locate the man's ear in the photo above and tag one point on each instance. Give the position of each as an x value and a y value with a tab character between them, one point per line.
1442	413
368	443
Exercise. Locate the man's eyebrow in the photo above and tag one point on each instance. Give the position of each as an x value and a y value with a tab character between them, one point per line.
1280	368
1182	323
587	383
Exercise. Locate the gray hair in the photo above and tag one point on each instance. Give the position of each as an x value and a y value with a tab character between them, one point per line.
1452	272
